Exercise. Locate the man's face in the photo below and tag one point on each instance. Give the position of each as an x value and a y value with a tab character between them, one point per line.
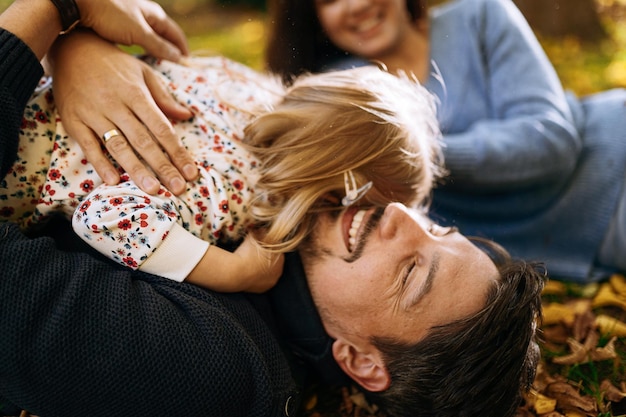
395	274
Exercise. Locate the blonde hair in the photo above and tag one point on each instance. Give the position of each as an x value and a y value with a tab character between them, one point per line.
380	126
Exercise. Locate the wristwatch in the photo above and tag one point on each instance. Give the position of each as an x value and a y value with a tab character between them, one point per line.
70	15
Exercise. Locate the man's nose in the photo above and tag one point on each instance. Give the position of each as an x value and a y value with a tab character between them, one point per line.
397	222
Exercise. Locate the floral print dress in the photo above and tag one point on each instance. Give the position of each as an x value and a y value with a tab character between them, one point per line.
163	233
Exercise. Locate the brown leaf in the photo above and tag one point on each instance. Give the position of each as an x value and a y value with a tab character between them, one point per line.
542	378
589	351
611	392
606	352
584	322
569	398
575	414
523	412
556	334
580	354
347	401
361	402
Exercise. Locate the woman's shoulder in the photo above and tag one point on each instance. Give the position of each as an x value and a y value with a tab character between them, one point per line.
467	8
476	14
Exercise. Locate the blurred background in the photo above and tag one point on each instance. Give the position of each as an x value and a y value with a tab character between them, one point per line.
585	39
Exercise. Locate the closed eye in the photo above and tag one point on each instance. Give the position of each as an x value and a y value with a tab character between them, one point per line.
408	273
439	231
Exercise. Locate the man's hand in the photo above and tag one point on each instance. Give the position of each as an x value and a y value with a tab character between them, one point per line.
98	87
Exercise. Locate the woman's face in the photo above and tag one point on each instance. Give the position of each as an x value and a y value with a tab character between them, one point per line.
371	29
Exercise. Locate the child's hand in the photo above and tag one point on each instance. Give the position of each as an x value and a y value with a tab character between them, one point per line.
249	269
260	269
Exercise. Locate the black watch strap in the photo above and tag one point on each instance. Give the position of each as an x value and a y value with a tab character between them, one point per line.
70	16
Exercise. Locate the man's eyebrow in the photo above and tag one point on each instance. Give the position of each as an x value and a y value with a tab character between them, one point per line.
428	282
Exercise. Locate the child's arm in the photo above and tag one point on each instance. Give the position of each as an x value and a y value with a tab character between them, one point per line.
146	232
249	268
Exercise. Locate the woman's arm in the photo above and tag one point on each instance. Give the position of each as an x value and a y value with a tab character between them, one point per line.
507	122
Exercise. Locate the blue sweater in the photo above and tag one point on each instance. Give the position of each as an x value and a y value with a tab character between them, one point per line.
532	168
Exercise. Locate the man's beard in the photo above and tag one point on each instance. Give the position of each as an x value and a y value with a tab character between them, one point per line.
309	250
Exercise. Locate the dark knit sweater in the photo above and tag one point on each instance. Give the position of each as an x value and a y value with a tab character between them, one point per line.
80	336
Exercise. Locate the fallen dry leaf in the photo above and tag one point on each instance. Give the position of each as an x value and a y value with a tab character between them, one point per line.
553	287
541	403
611	392
584	322
569	398
555	313
618	282
611	326
580	354
606	352
553	414
607	296
574	414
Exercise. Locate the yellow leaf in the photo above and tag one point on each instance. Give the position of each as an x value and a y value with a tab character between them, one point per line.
555	313
608	297
618	282
554	288
611	326
544	404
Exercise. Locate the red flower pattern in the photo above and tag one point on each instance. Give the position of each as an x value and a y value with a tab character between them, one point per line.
124	224
132	224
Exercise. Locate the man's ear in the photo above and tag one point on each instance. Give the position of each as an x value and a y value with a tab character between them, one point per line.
364	366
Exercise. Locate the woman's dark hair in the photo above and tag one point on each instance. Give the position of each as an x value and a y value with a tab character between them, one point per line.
297	43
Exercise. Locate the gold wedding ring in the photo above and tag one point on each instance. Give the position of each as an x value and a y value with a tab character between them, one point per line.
110	135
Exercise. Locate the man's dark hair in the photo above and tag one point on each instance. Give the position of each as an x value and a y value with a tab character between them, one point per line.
297	43
477	366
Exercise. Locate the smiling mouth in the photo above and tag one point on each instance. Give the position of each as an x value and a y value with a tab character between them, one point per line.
361	226
354	229
368	24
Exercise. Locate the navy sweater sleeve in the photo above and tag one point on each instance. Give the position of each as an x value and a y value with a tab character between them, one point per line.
80	336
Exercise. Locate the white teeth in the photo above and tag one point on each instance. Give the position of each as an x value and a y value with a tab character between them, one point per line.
354	227
367	25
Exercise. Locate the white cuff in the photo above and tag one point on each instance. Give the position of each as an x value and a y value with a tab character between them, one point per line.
177	256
